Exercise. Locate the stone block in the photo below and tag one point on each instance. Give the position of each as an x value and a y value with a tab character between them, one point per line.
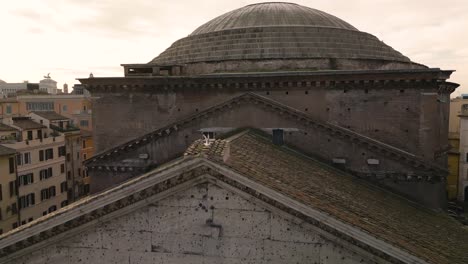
89	255
223	199
127	240
247	224
187	198
134	221
177	243
88	239
284	230
228	247
331	253
179	220
291	252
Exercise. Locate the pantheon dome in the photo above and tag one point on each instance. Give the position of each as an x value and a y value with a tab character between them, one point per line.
280	36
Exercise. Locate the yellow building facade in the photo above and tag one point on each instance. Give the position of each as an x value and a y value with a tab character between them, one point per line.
8	195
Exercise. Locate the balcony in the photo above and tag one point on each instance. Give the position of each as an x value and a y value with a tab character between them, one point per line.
66	129
18	145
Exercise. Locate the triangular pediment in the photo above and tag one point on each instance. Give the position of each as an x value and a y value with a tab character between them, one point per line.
217	201
272	114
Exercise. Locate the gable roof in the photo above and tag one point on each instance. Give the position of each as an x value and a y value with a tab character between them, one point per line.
50	115
26	123
4	127
379	222
389	151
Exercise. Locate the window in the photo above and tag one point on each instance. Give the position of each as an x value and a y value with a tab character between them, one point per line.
13	188
49	154
63	204
1	192
84	156
84	143
15	225
68	156
30	219
19	159
30	135
26	200
79	172
61	151
14	209
45	174
64	108
84	123
11	163
63	187
47	193
62	168
41	155
40	106
52	209
86	189
25	179
27	158
8	109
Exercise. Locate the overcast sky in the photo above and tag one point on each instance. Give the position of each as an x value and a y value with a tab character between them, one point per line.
71	38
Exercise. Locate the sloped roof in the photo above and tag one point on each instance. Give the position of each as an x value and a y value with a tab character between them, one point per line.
26	123
6	151
282	172
50	115
428	234
4	127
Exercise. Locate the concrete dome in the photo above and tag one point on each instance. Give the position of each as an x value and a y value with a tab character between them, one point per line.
2	81
272	14
280	36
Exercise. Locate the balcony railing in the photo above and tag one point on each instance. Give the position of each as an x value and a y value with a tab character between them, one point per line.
69	128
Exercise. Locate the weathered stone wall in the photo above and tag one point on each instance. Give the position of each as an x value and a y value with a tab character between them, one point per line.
205	224
404	118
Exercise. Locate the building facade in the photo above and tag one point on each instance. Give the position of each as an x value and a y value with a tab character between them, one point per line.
8	197
309	62
275	133
40	160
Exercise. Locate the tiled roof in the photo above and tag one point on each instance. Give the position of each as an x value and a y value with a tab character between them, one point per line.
26	123
50	115
427	234
4	127
6	151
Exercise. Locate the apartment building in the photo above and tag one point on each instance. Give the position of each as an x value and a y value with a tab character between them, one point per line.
41	185
8	197
74	145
